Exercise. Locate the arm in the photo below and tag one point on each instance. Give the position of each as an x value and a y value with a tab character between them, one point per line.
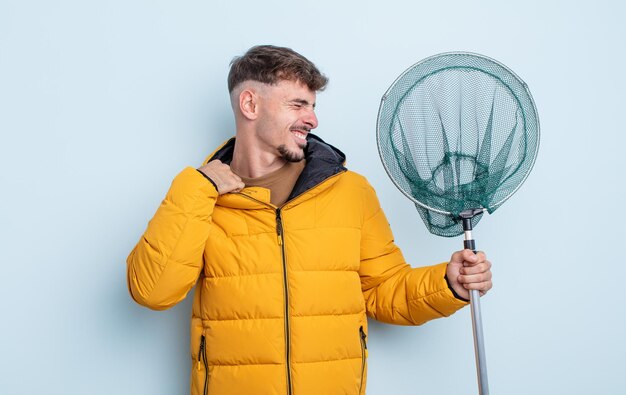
395	292
166	262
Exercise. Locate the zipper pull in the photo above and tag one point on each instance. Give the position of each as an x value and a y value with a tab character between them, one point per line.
363	339
201	351
279	228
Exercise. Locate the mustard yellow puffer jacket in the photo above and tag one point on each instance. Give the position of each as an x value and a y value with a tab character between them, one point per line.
282	293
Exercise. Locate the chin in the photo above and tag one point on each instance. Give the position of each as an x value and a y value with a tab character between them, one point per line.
291	155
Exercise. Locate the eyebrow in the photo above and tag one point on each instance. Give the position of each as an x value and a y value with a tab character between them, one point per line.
303	102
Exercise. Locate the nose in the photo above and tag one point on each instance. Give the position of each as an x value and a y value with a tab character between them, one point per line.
310	119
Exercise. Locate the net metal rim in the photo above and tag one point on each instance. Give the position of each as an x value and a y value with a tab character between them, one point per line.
445	54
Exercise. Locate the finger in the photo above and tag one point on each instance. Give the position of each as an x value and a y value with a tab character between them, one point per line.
457	257
481	267
474	278
239	186
480	255
482	287
470	258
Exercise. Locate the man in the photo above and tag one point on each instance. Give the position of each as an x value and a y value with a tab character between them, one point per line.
287	248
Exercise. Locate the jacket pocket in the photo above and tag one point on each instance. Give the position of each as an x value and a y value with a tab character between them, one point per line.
202	358
362	338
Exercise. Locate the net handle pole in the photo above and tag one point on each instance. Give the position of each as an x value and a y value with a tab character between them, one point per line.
477	323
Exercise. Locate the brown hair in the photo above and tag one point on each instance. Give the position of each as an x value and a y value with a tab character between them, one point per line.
270	64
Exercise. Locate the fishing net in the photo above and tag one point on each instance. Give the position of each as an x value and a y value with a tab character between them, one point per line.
457	131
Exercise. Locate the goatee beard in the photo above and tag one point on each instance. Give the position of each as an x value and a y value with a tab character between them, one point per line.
290	156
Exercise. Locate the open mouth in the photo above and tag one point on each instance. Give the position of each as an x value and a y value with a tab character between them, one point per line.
299	136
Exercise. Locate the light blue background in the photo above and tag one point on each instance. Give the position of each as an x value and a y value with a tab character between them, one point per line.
103	103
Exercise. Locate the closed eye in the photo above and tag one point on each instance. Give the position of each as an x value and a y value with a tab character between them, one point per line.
300	103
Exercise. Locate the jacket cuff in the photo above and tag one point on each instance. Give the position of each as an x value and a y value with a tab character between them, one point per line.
456	295
190	191
208	178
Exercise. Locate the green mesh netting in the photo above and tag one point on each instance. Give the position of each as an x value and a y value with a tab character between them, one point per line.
457	131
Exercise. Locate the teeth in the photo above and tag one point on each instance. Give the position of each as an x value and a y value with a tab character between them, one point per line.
299	135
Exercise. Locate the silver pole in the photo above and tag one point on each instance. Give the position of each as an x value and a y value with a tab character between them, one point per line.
479	343
477	327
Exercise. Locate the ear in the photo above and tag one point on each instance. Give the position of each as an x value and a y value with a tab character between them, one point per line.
248	104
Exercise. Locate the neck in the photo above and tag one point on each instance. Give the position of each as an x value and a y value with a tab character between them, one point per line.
251	161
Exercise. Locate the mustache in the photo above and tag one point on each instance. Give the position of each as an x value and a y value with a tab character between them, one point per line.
303	128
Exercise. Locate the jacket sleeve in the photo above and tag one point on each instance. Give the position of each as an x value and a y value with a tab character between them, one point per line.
166	262
395	292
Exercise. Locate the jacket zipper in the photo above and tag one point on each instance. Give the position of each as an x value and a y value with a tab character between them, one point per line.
202	354
362	336
281	242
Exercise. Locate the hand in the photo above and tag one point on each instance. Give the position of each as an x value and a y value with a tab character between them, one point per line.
467	271
225	180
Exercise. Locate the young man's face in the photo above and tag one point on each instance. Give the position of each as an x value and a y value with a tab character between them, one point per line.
286	115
